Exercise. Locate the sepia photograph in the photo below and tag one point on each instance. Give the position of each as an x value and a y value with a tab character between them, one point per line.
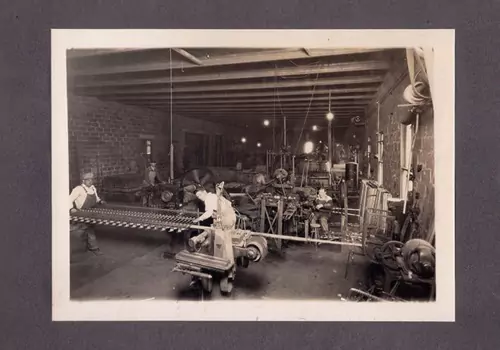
253	175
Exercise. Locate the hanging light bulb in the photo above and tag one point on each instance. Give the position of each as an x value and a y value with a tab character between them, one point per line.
266	122
315	128
243	140
258	144
329	115
308	147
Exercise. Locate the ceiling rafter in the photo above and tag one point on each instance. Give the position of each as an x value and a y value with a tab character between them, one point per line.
367	79
226	95
238	86
236	101
343	67
226	60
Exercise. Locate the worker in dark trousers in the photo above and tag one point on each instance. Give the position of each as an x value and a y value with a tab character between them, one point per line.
323	206
151	180
85	196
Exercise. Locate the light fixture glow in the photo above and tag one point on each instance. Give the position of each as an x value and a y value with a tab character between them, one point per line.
258	144
308	147
243	140
315	127
329	116
266	122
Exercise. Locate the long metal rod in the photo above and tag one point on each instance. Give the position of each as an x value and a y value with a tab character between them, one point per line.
288	238
268	235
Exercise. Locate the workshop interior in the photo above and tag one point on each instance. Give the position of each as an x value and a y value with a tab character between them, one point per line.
235	173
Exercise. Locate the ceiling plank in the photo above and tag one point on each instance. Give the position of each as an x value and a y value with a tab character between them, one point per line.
248	74
255	116
188	56
277	100
74	54
267	114
272	93
368	79
303	104
254	57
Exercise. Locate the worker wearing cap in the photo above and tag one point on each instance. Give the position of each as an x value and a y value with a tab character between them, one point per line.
324	204
84	196
152	177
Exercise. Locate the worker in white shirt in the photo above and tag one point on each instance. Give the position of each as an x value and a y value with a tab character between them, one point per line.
227	213
323	206
85	196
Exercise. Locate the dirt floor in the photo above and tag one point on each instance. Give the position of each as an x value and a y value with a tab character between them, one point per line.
134	267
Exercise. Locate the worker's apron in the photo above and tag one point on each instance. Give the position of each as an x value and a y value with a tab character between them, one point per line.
228	216
90	201
84	231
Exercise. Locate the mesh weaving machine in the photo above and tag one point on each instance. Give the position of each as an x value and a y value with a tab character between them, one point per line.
216	252
135	217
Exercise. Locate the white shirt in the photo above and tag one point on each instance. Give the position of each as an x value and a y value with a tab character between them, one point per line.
211	203
79	194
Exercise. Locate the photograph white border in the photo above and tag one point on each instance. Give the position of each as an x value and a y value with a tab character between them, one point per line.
443	90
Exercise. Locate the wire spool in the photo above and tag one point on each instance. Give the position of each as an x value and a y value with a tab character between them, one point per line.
417	94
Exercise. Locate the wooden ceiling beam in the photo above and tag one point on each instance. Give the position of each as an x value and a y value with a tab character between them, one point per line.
316	117
231	59
226	95
288	113
264	105
244	74
368	79
269	100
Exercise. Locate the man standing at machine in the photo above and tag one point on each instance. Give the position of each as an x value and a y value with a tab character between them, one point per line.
210	200
151	179
85	196
152	176
323	206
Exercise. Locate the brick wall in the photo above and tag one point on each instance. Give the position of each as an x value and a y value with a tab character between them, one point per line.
390	96
107	138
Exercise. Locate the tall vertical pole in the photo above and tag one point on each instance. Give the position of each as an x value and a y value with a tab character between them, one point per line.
329	142
330	152
380	150
171	124
284	141
284	131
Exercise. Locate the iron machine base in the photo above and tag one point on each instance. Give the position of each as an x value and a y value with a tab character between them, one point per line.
216	254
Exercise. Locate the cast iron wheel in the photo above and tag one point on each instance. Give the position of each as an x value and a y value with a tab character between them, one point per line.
388	254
